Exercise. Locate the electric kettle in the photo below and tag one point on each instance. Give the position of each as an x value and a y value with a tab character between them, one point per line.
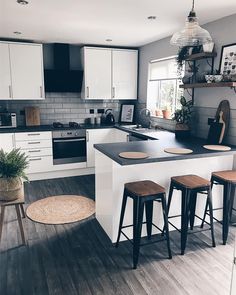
110	119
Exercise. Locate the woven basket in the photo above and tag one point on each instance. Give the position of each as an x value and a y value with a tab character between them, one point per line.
11	189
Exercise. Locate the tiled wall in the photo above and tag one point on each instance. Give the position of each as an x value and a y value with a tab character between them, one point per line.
63	107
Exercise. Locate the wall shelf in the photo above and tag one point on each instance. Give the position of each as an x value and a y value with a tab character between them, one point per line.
201	55
203	85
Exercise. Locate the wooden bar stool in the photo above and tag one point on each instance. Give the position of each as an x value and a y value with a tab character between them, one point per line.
19	207
143	193
190	186
228	180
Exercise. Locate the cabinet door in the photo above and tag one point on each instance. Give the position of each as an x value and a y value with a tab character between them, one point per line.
7	142
26	71
124	74
5	73
97	69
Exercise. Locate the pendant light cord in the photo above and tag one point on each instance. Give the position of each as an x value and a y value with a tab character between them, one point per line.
193	5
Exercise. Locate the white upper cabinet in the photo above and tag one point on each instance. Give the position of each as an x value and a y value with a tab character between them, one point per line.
5	73
97	73
124	74
109	73
26	71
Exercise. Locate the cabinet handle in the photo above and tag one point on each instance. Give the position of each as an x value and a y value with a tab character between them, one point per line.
35	159
10	91
113	92
33	134
35	151
41	91
127	137
87	91
34	142
87	136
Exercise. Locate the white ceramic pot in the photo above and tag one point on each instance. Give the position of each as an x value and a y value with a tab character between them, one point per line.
208	47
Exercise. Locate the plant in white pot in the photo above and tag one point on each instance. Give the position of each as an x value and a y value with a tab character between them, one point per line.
12	172
182	117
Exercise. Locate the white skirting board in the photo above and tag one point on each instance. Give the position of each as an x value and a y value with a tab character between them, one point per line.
61	174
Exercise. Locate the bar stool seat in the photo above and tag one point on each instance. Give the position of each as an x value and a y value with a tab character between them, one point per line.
190	186
144	188
143	193
227	179
191	181
226	175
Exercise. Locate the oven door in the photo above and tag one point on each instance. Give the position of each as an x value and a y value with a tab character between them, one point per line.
69	150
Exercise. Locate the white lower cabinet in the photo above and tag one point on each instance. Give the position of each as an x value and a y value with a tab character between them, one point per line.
96	136
38	147
7	141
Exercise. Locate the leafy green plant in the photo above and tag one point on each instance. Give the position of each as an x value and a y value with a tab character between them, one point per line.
13	164
183	115
183	53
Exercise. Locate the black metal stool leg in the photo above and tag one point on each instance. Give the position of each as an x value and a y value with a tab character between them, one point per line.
209	200
206	207
232	194
149	215
184	219
124	201
166	226
192	209
226	213
137	229
170	197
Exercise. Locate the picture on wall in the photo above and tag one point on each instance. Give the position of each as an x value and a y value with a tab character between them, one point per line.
127	113
228	60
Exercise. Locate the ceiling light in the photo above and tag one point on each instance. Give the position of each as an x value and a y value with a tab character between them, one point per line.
192	34
22	2
108	40
151	17
17	33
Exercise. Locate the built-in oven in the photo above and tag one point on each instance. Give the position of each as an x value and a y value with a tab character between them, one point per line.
69	146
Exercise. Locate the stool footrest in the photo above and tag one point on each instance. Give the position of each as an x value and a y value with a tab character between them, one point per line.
221	222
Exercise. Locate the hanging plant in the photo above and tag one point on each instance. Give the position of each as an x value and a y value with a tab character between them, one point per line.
183	53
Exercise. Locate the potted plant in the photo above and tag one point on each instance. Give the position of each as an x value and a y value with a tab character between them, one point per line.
183	53
166	112
182	117
12	171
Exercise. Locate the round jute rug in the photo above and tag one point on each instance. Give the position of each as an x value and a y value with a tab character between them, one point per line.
61	209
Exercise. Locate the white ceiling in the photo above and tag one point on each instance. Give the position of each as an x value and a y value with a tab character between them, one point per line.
93	21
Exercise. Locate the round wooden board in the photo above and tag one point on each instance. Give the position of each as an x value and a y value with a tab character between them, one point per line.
133	155
220	148
178	151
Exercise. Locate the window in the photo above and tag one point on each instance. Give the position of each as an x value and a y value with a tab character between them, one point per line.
163	85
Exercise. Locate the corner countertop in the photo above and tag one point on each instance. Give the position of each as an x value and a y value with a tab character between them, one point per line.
155	149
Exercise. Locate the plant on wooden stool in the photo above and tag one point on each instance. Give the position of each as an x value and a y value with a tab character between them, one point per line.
182	117
12	171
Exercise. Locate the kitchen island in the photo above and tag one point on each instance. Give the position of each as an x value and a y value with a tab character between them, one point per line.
112	172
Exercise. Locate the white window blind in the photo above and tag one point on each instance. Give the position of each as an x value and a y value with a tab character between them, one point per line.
163	69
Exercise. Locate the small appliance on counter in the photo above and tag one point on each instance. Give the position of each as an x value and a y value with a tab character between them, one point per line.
8	120
110	119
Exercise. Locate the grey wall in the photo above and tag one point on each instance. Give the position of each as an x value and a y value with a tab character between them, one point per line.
206	100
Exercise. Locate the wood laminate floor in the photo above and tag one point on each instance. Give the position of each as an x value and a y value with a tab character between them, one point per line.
80	259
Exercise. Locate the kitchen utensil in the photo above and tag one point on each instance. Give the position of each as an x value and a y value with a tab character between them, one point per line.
133	155
110	119
32	116
225	108
180	151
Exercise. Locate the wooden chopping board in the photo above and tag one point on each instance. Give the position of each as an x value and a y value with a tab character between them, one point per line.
178	151
32	116
223	107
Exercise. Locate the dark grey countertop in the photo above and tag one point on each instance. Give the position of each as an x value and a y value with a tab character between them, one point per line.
155	149
50	128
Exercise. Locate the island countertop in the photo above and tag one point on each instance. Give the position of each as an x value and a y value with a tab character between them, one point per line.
155	149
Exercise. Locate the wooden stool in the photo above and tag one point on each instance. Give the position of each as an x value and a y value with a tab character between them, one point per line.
143	193
190	186
228	180
18	206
